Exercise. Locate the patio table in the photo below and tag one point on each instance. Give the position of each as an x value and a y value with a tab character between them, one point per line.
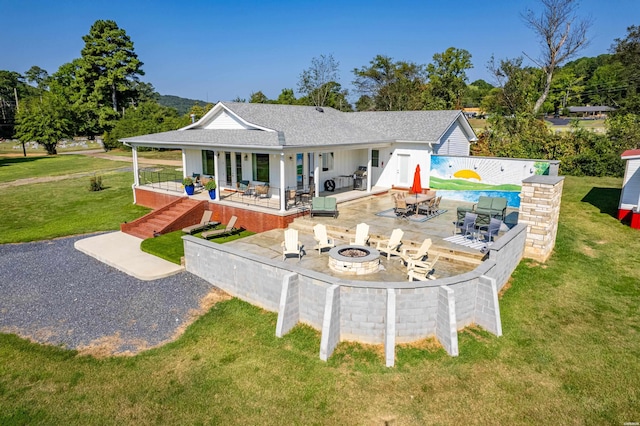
415	200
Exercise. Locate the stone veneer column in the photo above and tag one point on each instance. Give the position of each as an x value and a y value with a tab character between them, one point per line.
539	210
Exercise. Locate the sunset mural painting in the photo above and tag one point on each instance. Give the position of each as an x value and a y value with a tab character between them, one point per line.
467	178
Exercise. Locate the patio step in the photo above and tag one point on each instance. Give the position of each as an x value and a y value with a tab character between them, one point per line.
176	215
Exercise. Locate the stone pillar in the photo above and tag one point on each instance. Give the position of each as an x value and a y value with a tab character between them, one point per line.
539	210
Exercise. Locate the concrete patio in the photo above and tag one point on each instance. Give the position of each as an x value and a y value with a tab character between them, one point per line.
454	259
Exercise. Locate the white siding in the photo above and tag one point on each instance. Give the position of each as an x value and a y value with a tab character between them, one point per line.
193	161
631	185
418	154
225	121
453	142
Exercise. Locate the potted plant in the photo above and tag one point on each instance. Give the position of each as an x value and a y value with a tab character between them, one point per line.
211	187
189	187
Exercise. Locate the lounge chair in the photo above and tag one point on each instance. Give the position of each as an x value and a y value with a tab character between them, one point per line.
291	245
468	224
419	253
230	229
320	235
392	245
362	235
205	223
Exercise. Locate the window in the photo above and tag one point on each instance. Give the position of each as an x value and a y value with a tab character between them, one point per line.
238	166
261	167
375	156
207	163
227	167
327	161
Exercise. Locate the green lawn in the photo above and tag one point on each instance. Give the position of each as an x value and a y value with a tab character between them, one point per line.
172	154
170	246
55	209
570	354
14	168
7	148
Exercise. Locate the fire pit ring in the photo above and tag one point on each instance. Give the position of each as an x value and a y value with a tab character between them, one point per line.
354	260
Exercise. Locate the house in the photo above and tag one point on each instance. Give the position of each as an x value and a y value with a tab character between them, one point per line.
302	148
628	208
593	112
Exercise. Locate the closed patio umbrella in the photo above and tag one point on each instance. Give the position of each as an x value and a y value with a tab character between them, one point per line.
416	188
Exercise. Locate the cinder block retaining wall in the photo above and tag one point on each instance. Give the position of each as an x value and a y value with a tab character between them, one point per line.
368	312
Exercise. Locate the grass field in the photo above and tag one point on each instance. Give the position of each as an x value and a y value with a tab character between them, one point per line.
14	168
569	354
170	247
54	209
174	154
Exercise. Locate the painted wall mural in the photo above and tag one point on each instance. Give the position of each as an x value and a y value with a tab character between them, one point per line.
467	178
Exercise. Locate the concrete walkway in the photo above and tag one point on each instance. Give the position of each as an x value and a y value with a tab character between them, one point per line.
122	251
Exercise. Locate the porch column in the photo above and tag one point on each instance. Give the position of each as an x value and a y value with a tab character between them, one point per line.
184	164
216	174
234	168
283	201
305	170
136	177
369	170
317	159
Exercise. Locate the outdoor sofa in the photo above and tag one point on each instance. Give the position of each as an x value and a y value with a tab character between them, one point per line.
324	206
495	207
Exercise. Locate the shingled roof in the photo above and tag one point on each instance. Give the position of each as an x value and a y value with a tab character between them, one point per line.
278	126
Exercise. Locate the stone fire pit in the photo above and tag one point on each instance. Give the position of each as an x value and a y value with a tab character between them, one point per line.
354	260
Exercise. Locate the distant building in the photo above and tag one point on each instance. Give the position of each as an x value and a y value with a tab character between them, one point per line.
592	112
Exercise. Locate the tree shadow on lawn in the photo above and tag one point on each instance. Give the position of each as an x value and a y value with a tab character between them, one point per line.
7	161
606	199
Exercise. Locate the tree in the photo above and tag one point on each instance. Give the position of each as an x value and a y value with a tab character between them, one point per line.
107	73
148	117
313	81
447	76
627	51
516	89
45	120
258	98
287	97
561	36
37	75
393	86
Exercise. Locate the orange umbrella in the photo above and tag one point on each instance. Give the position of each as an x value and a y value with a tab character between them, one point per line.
416	188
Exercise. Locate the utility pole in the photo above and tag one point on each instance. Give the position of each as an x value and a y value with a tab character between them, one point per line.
15	93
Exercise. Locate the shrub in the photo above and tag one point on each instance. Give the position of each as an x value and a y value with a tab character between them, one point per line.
95	183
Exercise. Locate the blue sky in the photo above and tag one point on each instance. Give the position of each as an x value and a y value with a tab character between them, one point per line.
218	50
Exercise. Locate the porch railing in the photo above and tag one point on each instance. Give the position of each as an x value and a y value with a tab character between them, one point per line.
167	179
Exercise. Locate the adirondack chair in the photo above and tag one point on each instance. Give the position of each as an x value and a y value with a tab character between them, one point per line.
392	245
362	235
320	235
419	253
422	271
291	245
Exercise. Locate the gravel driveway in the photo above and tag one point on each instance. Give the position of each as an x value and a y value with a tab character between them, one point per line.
52	293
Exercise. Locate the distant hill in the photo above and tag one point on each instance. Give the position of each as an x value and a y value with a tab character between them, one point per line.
183	105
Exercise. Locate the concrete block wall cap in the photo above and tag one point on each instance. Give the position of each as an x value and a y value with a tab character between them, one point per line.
541	179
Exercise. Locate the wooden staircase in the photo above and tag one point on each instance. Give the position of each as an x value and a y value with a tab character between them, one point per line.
172	217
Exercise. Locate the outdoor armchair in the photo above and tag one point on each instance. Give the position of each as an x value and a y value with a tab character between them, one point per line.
291	245
392	245
419	253
320	235
362	235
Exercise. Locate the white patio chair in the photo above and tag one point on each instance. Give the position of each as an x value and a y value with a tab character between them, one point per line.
422	270
392	245
362	235
320	235
291	245
419	253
